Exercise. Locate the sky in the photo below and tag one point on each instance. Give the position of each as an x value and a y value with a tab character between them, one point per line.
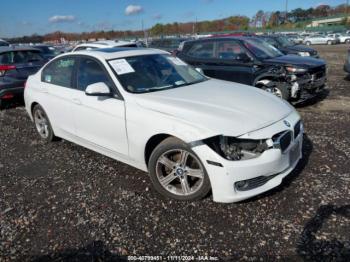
25	17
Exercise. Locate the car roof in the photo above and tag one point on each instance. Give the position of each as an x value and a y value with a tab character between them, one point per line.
117	52
4	49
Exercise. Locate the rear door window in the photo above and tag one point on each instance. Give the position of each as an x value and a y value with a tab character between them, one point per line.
202	50
60	72
230	50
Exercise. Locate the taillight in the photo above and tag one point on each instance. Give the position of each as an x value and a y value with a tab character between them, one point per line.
4	68
25	84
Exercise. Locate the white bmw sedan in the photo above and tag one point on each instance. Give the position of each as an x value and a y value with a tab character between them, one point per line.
154	112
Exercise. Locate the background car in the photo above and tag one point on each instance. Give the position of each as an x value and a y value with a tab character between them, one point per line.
320	40
3	43
196	143
343	38
167	44
295	38
47	51
16	64
288	47
105	44
252	61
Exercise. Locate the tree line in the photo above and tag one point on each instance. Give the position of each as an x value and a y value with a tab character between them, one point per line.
296	18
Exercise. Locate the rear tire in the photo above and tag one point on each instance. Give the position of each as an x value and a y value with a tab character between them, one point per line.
176	171
42	124
1	104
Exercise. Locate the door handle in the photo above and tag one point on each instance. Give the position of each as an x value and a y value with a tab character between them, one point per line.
76	101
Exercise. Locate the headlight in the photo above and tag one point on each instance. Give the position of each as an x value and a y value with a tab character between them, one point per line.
291	69
236	149
304	53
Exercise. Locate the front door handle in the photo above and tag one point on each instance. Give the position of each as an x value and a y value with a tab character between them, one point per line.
76	101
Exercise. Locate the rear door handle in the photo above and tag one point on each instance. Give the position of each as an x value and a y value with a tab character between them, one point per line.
76	101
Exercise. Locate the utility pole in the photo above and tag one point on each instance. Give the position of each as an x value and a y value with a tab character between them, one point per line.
287	9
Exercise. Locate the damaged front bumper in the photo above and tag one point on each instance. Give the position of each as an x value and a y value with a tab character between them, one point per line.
234	181
307	87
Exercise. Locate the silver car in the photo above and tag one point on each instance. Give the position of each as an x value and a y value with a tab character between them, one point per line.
320	40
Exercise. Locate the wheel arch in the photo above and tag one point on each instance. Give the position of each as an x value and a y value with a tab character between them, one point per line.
153	142
32	107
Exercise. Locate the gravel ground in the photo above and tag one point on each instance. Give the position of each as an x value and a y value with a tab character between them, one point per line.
62	202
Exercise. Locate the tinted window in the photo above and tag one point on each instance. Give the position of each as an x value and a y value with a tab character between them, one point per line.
202	50
59	72
91	72
230	50
262	49
20	57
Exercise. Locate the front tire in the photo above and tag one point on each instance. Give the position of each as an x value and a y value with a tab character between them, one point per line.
42	124
176	172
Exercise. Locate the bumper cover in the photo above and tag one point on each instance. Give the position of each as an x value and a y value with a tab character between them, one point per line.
272	164
15	88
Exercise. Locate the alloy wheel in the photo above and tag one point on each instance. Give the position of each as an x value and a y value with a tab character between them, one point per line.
180	172
41	123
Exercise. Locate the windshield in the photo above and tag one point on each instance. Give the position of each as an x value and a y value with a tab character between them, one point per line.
284	41
150	73
262	49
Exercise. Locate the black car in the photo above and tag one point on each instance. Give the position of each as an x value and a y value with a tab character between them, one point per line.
3	43
167	44
347	63
16	64
48	52
288	47
252	61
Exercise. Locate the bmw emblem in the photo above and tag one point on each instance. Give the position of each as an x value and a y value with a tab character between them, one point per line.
286	123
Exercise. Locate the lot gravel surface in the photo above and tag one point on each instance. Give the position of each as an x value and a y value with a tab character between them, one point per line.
62	202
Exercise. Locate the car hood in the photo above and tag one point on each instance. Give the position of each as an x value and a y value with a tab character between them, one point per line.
304	62
219	107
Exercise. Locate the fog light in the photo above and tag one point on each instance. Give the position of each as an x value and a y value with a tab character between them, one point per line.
241	185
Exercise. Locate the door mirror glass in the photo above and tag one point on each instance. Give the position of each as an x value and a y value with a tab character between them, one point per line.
98	89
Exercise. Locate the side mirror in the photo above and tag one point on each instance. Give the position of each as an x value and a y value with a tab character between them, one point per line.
97	89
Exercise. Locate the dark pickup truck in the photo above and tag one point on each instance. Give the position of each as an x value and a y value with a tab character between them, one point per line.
252	61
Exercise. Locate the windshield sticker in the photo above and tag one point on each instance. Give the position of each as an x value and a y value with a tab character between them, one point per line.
177	61
121	66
